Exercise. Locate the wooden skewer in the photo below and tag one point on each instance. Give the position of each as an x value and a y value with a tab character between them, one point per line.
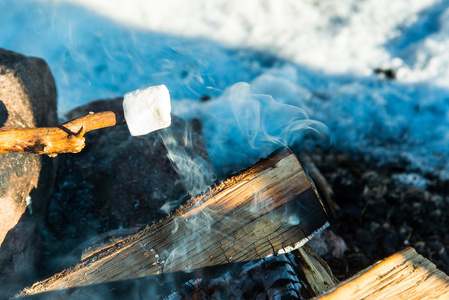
151	104
64	138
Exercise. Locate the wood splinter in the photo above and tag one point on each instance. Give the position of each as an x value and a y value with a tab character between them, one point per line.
145	110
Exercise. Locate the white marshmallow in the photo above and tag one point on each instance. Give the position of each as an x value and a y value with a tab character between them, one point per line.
147	110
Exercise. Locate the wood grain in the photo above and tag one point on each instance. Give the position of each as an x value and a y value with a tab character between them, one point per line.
268	209
404	275
316	271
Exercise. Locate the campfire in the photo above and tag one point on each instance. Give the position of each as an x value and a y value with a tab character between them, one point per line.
269	209
147	217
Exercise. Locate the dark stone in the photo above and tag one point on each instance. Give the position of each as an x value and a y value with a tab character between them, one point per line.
390	243
379	210
205	98
357	262
27	99
116	182
347	189
386	73
391	215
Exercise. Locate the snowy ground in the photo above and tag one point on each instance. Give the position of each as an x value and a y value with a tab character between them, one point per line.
314	58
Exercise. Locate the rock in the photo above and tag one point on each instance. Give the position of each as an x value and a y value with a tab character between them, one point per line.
27	99
117	181
327	242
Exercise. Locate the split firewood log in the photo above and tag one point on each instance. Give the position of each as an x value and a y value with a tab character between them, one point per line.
403	275
271	208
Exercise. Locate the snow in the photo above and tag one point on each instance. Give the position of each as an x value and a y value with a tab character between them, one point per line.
277	72
410	180
147	110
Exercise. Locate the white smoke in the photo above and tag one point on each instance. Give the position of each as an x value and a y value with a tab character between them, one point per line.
196	173
241	126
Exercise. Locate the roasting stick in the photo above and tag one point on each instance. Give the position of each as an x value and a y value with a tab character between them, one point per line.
144	110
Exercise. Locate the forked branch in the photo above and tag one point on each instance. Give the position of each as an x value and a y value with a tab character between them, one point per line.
64	138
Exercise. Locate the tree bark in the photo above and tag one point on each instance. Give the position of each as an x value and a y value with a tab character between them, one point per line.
271	208
64	138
